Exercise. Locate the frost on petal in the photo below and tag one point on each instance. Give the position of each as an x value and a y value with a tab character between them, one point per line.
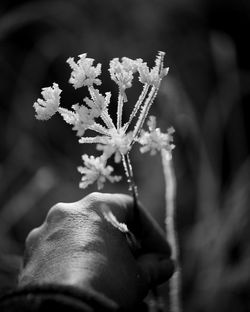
84	119
81	118
117	144
98	104
130	65
122	73
83	72
68	116
154	140
45	108
151	123
95	170
153	76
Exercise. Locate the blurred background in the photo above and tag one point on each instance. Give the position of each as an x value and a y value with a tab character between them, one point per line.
205	98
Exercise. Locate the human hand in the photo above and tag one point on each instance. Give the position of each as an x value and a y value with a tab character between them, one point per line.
77	246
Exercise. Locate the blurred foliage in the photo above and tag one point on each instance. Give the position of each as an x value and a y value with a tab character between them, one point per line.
205	98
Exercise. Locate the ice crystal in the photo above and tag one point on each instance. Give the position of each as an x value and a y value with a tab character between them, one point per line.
47	107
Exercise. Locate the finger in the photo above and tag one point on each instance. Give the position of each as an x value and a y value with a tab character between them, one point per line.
149	233
155	268
31	244
138	220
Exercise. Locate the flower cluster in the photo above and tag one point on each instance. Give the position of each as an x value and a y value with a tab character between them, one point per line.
83	116
95	169
122	73
46	108
111	138
83	72
154	140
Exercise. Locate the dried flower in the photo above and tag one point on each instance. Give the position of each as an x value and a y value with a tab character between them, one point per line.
46	108
99	104
110	138
82	117
83	72
154	140
95	170
153	76
122	73
113	142
118	143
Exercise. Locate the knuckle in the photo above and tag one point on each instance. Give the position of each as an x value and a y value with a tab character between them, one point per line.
92	201
57	213
94	197
30	244
32	236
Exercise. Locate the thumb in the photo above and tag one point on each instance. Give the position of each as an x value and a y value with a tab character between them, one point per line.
156	268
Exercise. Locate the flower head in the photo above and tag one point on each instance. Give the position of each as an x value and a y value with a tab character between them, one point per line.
152	76
46	108
122	73
95	170
81	118
83	72
99	104
117	144
154	140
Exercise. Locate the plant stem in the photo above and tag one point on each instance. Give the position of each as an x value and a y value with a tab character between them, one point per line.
130	177
119	110
137	105
133	188
144	112
105	115
170	193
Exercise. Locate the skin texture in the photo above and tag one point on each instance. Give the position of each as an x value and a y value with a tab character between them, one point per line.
77	246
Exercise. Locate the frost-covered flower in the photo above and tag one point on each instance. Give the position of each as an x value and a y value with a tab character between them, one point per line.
85	119
154	75
95	170
83	72
115	143
154	140
122	73
99	104
47	107
82	117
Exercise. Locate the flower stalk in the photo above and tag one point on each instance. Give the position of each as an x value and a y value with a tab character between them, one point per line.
170	194
130	178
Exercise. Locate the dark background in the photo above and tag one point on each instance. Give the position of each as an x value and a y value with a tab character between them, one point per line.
205	97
